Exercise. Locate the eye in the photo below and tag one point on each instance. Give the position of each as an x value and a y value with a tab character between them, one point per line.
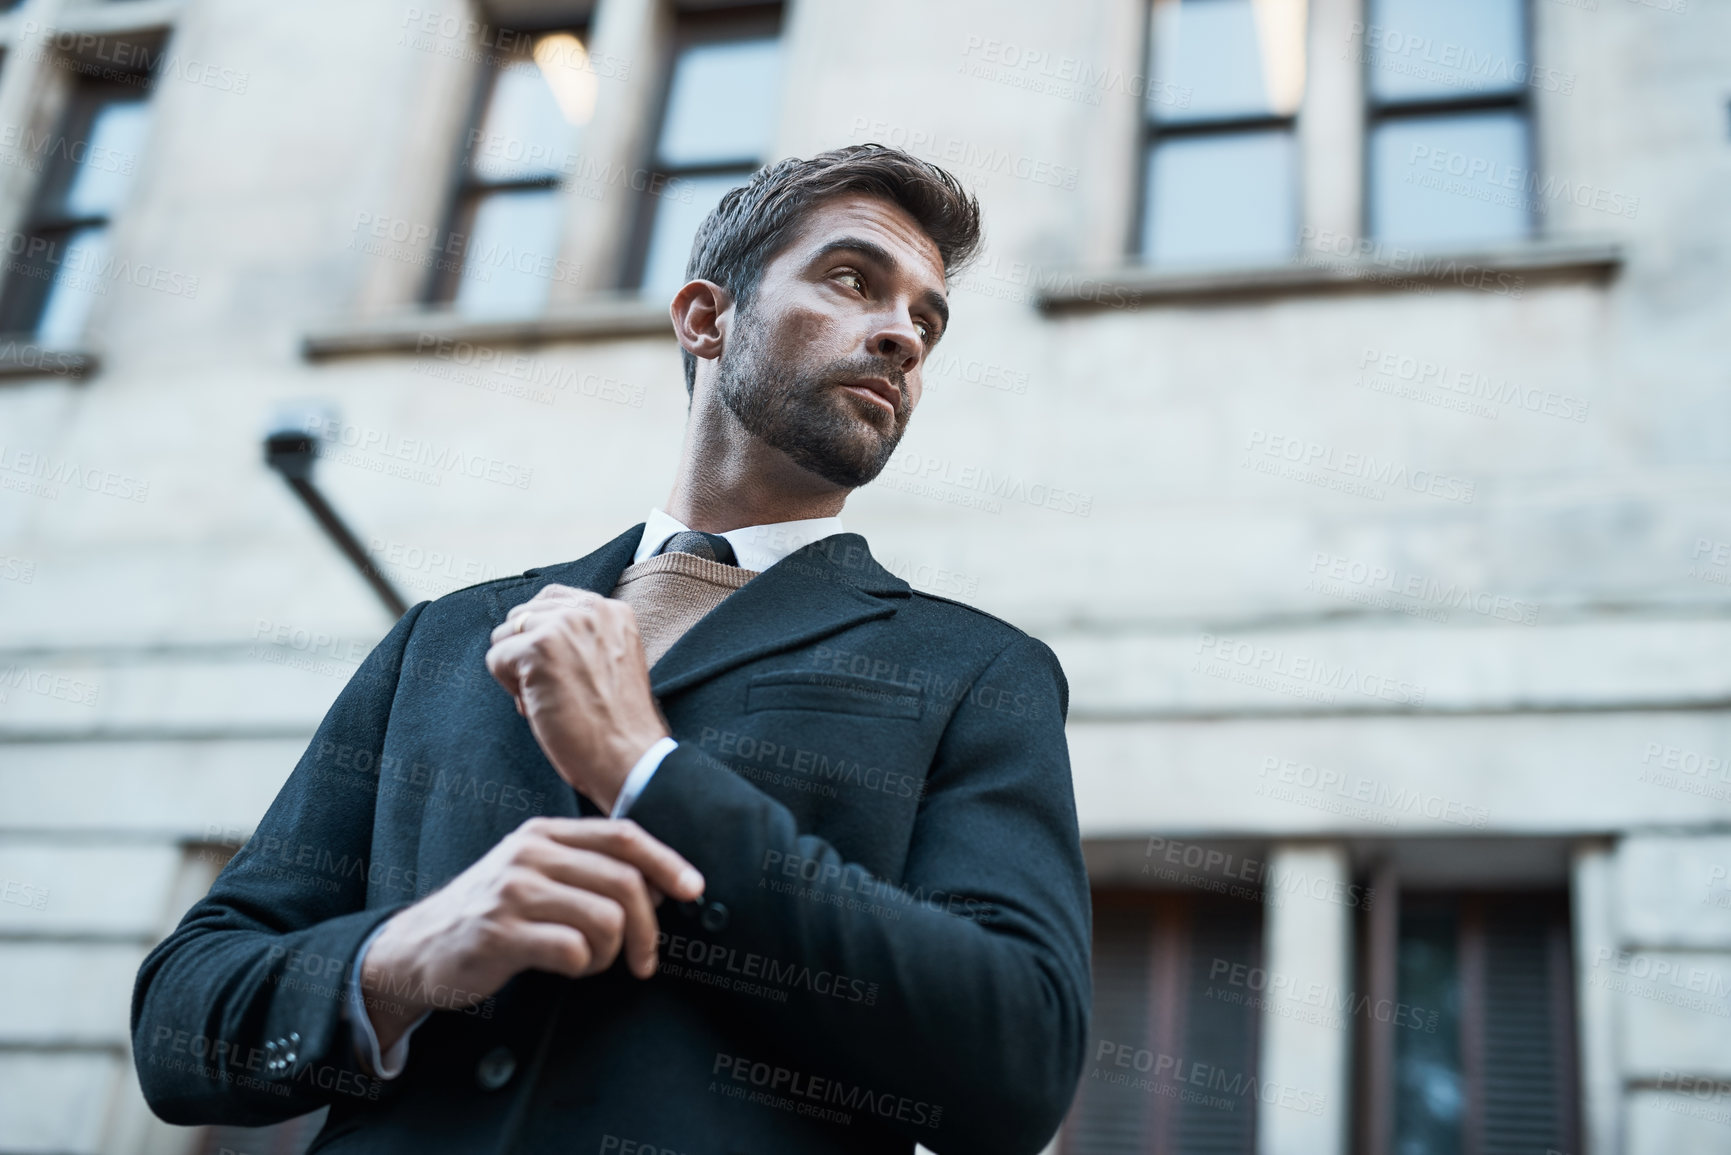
852	279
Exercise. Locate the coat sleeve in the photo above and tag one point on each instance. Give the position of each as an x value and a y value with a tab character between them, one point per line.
976	1035
237	1016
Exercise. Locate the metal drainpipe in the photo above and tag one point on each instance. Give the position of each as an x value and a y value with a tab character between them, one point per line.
291	452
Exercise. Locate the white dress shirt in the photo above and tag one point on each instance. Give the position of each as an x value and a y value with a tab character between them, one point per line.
755	547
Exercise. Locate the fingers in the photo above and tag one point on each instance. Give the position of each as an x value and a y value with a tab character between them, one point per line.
521	633
516	622
604	878
566	629
621	884
549	597
598	918
554	947
618	883
502	664
604	617
662	866
513	639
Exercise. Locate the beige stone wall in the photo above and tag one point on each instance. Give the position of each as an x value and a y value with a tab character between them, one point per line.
198	634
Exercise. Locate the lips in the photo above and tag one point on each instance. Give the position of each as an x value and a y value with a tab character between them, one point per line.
879	390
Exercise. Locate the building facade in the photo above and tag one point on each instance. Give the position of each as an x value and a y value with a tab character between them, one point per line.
1342	395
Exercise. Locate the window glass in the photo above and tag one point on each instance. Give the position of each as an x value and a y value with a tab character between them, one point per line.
1429	1097
569	74
525	133
1226	197
89	163
1450	179
510	212
509	258
1432	48
1227	58
681	211
721	105
76	285
1486	1058
107	161
717	128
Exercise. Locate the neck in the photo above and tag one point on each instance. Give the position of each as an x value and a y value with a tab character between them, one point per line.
728	479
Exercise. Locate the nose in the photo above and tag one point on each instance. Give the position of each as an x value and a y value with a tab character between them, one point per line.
899	341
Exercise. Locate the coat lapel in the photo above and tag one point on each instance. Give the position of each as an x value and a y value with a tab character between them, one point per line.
598	571
815	591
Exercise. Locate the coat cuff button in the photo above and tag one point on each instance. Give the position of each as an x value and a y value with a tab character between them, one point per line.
496	1068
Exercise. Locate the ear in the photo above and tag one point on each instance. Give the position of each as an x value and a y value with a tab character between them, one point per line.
701	312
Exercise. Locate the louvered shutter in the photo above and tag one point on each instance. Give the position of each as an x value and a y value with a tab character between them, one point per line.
1497	1074
1521	1076
1190	1085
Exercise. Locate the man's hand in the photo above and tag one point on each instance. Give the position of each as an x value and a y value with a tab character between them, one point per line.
573	662
564	895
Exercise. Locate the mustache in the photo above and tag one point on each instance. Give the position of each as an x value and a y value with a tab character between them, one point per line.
853	368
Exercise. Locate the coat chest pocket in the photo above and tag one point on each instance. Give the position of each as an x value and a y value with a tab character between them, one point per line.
832	693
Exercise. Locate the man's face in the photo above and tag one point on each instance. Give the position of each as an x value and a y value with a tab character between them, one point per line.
824	361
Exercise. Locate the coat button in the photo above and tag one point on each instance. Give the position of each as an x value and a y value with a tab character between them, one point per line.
715	916
496	1068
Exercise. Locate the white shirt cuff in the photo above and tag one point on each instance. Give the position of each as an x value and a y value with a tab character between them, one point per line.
641	774
390	1064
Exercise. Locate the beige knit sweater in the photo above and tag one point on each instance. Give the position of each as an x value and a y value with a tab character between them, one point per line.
671	591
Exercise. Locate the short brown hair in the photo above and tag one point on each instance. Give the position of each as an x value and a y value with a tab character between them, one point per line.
754	221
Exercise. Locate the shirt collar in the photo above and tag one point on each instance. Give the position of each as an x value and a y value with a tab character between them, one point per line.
755	547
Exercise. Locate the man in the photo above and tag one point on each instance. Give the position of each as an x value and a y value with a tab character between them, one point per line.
856	797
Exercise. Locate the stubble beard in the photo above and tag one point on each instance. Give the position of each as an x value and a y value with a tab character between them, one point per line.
805	414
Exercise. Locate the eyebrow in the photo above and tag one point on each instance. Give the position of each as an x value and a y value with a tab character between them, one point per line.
931	298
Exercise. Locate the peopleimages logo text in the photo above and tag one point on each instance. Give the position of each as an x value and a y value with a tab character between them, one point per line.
982	480
1279	663
1472	384
1359	467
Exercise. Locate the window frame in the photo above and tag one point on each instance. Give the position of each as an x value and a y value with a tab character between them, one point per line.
1379	111
464	190
1375	1052
1150	131
24	298
1173	918
692	27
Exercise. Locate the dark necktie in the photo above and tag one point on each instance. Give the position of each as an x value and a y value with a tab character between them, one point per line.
707	545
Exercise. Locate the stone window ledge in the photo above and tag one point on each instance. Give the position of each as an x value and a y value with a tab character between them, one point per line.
99	19
596	319
20	357
1505	271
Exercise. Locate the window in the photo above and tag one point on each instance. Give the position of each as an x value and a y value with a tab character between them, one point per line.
1171	1067
54	270
501	252
1447	155
1220	181
717	127
1488	1063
